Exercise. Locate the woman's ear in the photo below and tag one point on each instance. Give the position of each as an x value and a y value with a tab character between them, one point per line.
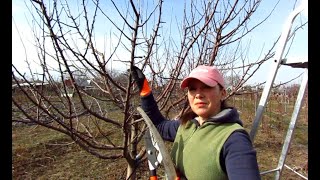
223	94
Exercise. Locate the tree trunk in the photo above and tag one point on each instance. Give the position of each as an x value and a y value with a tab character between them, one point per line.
131	174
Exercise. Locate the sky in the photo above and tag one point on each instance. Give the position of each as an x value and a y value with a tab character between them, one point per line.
262	37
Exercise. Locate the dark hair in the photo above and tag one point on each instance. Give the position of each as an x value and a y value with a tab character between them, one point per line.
189	114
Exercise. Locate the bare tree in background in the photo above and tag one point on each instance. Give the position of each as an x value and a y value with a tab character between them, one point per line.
211	33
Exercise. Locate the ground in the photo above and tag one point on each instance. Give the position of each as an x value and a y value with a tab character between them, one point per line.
40	153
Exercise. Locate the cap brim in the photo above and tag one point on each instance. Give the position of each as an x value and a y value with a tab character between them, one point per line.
207	81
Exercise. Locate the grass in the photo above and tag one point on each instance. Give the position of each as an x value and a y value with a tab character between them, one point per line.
41	153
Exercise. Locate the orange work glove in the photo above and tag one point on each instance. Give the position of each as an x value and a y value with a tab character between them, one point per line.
140	81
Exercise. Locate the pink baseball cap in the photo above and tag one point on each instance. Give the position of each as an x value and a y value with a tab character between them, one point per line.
209	75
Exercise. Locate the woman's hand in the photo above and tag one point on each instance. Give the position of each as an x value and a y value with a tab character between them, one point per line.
141	81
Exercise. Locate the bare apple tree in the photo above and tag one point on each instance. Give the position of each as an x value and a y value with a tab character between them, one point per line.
83	94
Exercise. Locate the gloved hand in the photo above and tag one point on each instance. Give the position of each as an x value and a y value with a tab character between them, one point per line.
140	81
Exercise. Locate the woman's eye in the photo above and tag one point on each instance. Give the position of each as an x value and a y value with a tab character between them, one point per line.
202	88
207	87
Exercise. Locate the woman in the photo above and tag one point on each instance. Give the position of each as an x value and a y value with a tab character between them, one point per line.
209	140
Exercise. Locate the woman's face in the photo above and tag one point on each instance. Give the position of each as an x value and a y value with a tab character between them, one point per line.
204	100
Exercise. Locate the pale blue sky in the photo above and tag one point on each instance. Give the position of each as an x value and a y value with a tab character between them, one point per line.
263	36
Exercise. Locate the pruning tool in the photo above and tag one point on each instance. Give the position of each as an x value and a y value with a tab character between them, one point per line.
153	155
156	151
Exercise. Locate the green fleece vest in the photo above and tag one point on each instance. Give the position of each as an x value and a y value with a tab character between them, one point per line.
196	151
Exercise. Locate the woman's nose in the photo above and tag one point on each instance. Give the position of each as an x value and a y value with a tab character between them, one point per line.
198	93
